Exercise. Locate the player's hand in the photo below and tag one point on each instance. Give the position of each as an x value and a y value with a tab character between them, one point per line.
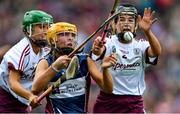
109	61
98	45
33	101
147	20
61	62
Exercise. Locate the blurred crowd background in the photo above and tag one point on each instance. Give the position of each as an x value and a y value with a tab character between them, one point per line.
163	81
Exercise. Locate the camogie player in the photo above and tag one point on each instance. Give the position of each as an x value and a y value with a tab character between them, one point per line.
71	96
133	56
18	65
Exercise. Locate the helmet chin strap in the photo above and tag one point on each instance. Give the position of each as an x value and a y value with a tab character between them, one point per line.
39	43
64	50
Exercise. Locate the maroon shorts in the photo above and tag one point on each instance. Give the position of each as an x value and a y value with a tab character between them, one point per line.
110	103
9	104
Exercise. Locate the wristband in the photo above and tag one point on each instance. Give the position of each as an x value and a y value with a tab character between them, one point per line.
54	69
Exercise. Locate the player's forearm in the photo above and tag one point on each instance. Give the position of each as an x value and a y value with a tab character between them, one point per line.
42	80
107	81
155	47
20	90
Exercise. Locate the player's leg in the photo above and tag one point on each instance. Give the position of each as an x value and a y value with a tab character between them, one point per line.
10	104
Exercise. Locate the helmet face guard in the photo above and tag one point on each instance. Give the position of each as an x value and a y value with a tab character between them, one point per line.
57	28
126	9
32	18
36	17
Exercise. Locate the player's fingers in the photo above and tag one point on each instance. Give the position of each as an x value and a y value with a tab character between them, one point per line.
149	11
152	15
96	42
139	18
154	20
113	56
113	60
66	58
99	38
145	11
100	42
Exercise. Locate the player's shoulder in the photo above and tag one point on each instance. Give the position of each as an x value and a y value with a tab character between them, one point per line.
111	40
23	43
141	43
140	40
23	46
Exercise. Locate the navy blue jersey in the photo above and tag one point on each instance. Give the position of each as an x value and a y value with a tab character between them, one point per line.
72	95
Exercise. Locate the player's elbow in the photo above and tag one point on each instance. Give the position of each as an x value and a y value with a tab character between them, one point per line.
159	51
154	52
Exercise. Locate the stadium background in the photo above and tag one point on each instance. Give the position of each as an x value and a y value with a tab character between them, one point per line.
163	81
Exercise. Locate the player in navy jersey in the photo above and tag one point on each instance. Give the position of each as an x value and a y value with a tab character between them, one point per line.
72	95
133	56
17	68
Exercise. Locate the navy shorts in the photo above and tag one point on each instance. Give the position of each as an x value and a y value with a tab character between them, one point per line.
110	103
9	104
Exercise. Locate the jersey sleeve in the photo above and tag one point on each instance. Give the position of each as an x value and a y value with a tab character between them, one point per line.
108	46
147	60
17	57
